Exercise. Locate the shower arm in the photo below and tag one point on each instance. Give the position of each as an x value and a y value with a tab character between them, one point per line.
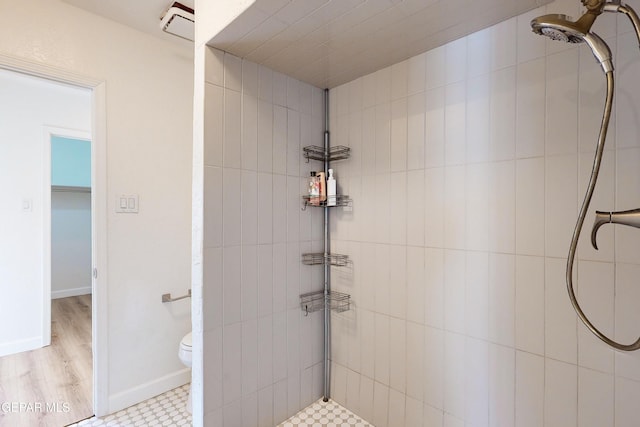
617	6
581	217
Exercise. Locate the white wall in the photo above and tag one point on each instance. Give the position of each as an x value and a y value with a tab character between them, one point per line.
26	107
149	90
70	243
262	356
469	164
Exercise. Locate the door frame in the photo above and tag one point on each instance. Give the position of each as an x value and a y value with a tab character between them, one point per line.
99	212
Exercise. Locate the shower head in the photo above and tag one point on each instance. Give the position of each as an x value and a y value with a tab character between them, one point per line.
559	27
562	28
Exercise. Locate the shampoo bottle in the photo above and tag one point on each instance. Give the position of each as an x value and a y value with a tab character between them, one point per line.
331	189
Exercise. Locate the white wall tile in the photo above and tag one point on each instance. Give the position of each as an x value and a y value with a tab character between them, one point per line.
501	385
454	374
595	398
479	46
478	120
232	363
434	201
399	118
434	148
561	102
397	403
414	414
279	89
477	295
560	391
249	154
603	197
455	129
627	394
454	207
249	280
294	151
530	108
397	356
503	114
502	299
232	262
595	292
530	304
530	207
232	148
456	60
249	357
399	80
265	137
627	178
416	73
214	66
503	41
477	206
529	401
627	364
213	213
560	203
434	269
214	125
434	376
626	119
502	206
382	349
454	291
477	382
398	299
560	319
279	140
232	72
415	364
380	404
436	71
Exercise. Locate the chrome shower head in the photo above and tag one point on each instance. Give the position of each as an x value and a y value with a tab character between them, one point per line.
560	27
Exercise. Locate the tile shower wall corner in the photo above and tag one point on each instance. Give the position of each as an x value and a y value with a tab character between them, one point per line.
260	351
466	180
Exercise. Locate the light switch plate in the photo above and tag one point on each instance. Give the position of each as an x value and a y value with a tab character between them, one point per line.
127	203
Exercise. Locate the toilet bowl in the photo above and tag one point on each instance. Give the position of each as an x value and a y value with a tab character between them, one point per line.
184	353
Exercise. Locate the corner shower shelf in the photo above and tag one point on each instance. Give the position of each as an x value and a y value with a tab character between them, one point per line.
321	258
315	301
341	200
315	152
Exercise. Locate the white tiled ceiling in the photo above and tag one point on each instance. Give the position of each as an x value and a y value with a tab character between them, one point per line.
330	42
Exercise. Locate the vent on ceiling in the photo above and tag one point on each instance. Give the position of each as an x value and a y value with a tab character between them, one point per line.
179	20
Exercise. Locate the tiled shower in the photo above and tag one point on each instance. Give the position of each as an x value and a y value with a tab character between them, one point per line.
468	164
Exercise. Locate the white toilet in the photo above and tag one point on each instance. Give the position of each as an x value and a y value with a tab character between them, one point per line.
184	353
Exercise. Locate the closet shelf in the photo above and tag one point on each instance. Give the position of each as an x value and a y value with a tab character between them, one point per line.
315	301
339	152
341	200
321	258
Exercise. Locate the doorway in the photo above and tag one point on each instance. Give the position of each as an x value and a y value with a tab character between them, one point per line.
34	110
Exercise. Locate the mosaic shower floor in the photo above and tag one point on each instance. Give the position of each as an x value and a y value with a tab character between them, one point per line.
168	409
325	414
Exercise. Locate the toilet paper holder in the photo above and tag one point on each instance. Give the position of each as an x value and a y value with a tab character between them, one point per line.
168	298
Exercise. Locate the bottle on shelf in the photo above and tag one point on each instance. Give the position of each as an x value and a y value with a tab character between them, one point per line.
331	189
314	189
322	182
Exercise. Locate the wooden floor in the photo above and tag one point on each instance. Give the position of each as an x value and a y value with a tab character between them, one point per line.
54	383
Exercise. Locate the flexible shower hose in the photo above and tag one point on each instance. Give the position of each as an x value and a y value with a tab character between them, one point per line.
583	213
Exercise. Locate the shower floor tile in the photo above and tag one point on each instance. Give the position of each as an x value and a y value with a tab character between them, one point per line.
325	414
168	409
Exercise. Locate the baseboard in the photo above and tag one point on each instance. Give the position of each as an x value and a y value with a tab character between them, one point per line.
64	293
20	346
135	395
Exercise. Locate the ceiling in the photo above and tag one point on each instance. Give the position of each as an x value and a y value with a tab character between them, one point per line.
329	42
